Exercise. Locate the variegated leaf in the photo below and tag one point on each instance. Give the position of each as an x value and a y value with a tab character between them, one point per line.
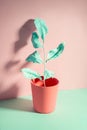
30	74
55	52
34	57
48	74
41	27
35	40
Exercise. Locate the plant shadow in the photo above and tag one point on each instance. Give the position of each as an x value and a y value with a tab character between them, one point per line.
24	34
14	65
19	104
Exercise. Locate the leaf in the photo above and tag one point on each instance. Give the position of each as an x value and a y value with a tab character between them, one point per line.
34	57
41	27
48	74
55	52
30	74
35	40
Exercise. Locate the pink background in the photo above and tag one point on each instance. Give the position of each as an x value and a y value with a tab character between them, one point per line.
66	20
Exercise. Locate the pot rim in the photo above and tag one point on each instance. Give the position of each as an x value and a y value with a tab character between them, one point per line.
47	81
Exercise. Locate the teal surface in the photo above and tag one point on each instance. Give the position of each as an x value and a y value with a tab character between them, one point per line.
70	113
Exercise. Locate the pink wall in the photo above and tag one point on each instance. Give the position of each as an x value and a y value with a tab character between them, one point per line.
66	20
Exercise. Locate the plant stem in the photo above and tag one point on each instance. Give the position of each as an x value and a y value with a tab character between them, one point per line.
44	64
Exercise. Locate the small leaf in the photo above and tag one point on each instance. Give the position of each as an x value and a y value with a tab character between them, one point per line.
34	57
41	27
55	52
48	74
30	74
35	40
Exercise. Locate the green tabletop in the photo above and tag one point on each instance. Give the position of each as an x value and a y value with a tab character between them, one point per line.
70	113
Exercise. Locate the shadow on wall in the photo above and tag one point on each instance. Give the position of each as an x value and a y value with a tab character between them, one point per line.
24	34
12	92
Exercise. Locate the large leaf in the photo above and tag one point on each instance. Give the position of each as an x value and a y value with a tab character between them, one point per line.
34	57
30	74
55	52
48	74
41	27
35	40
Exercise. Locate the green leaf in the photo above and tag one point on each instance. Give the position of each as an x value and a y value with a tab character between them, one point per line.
48	74
35	40
55	52
30	74
34	57
41	27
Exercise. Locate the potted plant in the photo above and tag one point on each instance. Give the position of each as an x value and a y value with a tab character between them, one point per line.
44	86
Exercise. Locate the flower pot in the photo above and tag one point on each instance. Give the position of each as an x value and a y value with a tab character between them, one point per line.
44	97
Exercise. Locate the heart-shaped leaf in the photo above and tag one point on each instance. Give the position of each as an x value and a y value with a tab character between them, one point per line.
41	27
35	40
48	74
34	57
55	52
30	74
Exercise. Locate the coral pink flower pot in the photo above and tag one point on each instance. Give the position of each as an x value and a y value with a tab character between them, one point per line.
44	98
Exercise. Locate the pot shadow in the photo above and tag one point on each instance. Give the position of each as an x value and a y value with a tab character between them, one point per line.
19	104
11	92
